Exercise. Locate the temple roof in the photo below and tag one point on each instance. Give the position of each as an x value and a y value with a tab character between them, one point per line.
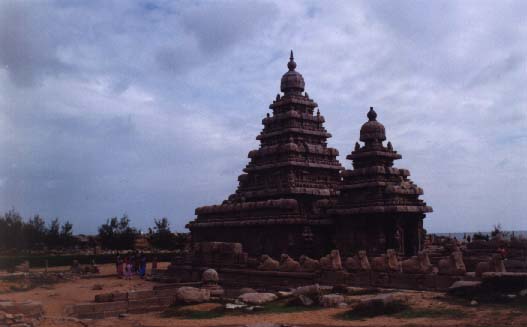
372	130
292	82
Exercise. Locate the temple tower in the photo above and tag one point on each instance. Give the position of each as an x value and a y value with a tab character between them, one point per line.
289	182
378	207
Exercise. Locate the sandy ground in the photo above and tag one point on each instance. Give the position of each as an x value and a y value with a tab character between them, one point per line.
56	297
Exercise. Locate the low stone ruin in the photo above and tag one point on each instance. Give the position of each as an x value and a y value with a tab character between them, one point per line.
20	314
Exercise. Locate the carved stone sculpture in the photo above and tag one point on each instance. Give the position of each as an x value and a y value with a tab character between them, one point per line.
288	264
494	265
452	265
331	261
309	264
268	263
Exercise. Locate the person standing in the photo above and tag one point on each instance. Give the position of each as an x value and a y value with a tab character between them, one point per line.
128	268
119	266
154	264
142	266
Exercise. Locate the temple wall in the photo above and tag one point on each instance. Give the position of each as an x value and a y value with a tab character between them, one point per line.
271	239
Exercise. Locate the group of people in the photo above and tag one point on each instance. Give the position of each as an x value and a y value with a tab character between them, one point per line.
134	263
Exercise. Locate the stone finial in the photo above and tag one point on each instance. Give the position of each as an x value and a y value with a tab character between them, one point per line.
268	115
307	95
291	64
318	112
372	115
278	97
389	145
357	146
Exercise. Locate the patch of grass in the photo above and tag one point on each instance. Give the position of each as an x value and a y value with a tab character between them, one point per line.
401	311
192	314
284	307
431	313
278	307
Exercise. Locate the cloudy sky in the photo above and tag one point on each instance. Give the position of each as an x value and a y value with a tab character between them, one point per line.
150	108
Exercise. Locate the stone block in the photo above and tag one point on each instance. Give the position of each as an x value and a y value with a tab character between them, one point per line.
120	296
106	297
166	292
138	295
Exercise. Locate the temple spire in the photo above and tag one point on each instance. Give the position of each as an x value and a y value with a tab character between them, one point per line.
372	115
291	64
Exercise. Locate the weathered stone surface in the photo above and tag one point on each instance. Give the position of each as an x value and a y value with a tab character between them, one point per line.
27	308
452	265
393	263
309	264
310	290
268	263
331	300
210	276
288	264
257	298
465	288
419	264
494	265
189	294
381	302
331	261
247	290
106	297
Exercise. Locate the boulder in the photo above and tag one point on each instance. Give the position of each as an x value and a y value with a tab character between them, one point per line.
465	288
189	294
380	304
304	300
288	264
331	300
210	276
247	290
257	298
310	290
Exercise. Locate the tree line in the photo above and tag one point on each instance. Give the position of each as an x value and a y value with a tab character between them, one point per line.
115	234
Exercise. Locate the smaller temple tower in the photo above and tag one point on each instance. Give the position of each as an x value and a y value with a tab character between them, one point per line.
378	207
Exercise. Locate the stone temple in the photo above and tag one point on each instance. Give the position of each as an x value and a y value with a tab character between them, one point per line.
295	197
